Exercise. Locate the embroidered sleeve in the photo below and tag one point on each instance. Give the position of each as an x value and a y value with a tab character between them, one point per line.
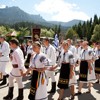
90	52
45	61
71	59
42	59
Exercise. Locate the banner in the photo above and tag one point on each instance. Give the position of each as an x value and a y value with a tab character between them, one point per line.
36	34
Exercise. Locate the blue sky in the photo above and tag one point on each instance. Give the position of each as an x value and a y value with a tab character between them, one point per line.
57	10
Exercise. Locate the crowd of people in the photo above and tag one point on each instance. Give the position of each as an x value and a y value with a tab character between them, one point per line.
41	58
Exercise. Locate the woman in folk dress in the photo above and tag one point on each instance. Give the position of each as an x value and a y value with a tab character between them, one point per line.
67	75
38	89
97	62
87	74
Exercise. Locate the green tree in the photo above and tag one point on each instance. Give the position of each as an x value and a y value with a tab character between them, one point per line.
47	33
23	32
3	30
96	20
57	29
71	34
96	33
79	30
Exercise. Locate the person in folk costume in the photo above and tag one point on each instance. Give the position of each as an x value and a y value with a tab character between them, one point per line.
29	52
97	62
17	59
67	75
4	58
94	47
39	63
58	53
77	54
72	48
80	47
86	74
23	48
92	76
50	53
59	50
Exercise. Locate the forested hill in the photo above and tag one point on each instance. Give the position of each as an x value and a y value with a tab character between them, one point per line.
12	15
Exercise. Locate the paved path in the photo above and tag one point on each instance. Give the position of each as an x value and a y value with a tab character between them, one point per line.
95	94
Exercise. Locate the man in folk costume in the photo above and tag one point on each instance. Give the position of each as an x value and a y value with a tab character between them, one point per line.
4	58
77	54
67	75
29	53
72	48
86	74
80	47
94	47
39	63
58	51
97	62
50	52
18	68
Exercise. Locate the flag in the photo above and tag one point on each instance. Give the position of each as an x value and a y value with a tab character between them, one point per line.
56	41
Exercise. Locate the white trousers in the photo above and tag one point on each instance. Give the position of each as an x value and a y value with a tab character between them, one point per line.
51	75
3	67
18	79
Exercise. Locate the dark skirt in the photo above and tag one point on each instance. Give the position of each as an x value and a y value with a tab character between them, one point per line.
33	87
83	71
27	61
63	82
97	66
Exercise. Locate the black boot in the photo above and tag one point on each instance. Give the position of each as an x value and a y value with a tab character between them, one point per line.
53	90
4	81
20	94
10	94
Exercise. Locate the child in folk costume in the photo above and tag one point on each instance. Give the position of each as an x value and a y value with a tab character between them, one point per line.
97	62
18	68
38	89
87	74
67	74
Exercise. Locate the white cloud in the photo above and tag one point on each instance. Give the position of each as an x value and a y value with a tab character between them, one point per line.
2	6
60	10
13	0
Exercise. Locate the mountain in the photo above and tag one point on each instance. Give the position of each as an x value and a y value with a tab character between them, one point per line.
67	24
12	15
